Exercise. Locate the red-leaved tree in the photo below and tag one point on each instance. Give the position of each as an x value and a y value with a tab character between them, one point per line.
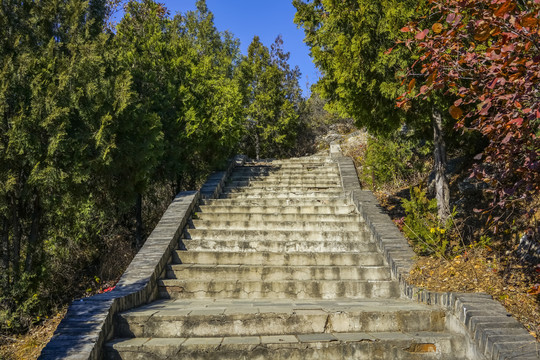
486	53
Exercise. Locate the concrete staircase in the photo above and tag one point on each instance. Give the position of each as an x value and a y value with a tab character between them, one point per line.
281	267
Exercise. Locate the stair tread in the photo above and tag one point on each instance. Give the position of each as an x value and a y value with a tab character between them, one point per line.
165	282
289	217
296	267
277	306
218	344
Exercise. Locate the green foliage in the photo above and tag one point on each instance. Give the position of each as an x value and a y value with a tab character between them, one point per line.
349	42
391	161
21	306
94	124
359	48
386	161
485	241
423	228
271	100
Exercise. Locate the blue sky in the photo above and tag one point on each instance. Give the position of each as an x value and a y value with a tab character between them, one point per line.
267	19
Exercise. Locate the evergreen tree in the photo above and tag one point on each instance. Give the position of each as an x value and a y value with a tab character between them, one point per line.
210	103
58	89
354	44
271	100
142	41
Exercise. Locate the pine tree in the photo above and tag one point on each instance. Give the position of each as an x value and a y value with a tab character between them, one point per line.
210	104
271	98
57	91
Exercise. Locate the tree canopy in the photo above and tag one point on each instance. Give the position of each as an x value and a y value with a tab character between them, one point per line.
349	42
271	99
100	127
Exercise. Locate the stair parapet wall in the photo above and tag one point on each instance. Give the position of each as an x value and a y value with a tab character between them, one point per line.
89	322
492	332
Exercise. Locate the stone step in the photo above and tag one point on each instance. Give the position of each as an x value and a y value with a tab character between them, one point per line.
276	246
273	190
272	182
289	166
301	160
278	235
275	273
283	194
275	171
283	189
280	225
331	346
278	177
185	318
278	259
328	201
253	217
324	172
308	209
305	161
319	289
283	178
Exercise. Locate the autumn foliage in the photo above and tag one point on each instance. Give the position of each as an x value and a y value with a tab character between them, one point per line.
486	55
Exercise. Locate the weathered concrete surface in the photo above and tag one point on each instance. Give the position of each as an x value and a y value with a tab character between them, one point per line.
227	318
383	346
281	266
89	323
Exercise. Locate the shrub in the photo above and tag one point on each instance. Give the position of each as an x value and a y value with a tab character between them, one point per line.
389	162
423	228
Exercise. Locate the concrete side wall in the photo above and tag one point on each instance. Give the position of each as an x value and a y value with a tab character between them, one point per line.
492	332
89	322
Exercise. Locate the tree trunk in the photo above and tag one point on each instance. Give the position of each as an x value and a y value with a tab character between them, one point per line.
178	186
34	235
139	221
5	249
442	191
257	145
16	250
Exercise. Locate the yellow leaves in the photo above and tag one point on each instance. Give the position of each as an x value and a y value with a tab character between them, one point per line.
482	32
412	83
456	112
406	106
437	28
431	78
507	7
437	230
473	272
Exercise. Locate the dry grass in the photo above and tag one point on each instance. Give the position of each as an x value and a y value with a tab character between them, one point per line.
29	346
479	270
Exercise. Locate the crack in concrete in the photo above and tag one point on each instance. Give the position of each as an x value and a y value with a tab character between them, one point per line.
327	324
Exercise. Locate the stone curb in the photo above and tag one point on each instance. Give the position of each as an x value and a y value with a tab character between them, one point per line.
494	333
89	322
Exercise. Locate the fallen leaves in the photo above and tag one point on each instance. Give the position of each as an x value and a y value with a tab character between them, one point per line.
514	285
437	28
29	346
